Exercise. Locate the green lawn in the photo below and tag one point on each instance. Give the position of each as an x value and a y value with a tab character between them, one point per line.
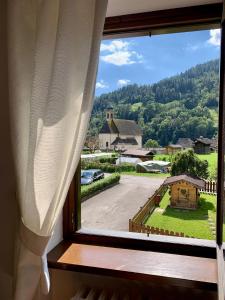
161	175
193	223
211	158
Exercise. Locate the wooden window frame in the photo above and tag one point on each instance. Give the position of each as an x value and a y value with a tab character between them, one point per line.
157	22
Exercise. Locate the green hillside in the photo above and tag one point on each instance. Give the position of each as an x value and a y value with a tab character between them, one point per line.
185	105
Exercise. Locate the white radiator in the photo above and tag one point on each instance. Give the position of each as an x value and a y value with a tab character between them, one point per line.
96	294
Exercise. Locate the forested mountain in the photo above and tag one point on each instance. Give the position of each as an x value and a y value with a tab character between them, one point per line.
185	105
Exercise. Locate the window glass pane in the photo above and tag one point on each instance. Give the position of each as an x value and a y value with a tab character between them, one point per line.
154	134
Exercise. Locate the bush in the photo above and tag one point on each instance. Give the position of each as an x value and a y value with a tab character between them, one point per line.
106	167
99	185
187	162
127	167
110	160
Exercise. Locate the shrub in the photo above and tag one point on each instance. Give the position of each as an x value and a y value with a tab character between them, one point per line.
126	167
106	167
187	162
110	160
99	185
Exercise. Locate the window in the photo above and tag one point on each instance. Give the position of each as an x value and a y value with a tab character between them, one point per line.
213	16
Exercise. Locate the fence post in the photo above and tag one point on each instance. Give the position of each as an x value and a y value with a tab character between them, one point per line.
130	225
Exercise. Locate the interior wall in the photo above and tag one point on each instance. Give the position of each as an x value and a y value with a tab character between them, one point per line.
65	284
8	211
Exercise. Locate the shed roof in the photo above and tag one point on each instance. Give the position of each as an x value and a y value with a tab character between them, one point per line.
203	140
174	146
129	141
185	142
192	180
137	152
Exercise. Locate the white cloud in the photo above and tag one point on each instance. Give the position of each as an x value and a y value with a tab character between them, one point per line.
214	37
123	82
101	85
115	45
119	58
119	53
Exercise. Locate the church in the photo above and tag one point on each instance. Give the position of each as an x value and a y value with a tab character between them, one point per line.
119	134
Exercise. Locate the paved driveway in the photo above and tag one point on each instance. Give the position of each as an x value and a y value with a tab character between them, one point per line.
113	208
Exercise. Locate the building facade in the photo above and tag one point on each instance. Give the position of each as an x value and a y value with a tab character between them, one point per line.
119	134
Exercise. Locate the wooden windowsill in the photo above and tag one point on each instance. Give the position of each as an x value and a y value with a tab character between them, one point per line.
162	268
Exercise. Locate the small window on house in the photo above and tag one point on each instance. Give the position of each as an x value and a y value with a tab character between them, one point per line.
160	170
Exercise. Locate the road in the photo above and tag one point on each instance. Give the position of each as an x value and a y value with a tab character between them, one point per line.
112	208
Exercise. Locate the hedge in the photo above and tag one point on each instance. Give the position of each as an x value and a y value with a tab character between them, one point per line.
87	190
110	160
106	167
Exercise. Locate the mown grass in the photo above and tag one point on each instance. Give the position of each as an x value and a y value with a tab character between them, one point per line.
193	223
211	158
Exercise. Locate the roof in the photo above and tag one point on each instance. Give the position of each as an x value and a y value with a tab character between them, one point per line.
127	127
123	127
109	127
95	155
185	142
129	141
203	140
161	163
174	146
192	180
137	152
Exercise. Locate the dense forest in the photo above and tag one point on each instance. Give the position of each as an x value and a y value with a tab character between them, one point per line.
185	105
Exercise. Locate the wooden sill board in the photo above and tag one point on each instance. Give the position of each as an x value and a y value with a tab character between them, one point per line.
179	270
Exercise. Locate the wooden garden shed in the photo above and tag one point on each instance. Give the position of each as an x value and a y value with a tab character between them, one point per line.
184	191
202	146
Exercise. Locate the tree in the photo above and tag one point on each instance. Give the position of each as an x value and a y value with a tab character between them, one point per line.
92	143
151	144
187	162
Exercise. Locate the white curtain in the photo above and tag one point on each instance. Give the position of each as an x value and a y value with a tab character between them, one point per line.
53	48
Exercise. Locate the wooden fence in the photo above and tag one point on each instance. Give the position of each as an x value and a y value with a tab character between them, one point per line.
134	227
136	224
210	186
149	206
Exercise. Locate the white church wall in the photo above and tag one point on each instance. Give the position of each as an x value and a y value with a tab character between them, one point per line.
107	137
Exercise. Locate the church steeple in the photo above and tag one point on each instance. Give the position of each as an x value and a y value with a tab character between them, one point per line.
109	113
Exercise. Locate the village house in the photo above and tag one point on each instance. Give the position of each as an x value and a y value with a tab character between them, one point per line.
202	145
119	134
184	191
172	149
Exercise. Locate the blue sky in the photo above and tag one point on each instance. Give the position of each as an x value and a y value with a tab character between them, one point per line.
145	60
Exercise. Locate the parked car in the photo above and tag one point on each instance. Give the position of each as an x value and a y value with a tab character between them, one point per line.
88	176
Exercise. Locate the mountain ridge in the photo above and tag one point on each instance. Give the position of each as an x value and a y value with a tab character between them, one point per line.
184	105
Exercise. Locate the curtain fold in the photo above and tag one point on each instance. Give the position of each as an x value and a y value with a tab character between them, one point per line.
53	48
